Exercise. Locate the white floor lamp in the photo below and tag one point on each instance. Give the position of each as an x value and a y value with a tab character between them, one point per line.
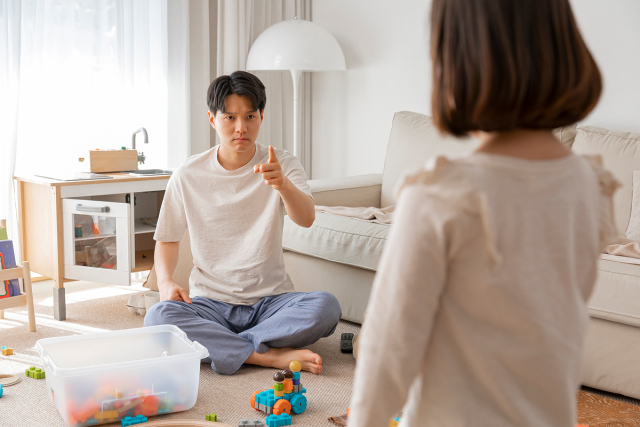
296	45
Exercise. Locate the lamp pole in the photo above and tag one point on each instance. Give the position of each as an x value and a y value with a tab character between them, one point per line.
295	75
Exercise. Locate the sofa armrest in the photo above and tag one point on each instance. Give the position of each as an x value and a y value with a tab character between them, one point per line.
354	191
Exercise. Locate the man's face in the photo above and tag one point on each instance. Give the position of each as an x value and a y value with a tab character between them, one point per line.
238	125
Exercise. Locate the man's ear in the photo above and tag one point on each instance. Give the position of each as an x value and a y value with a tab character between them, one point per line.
212	119
261	116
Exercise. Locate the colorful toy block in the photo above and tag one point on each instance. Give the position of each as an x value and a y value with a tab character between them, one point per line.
278	420
1	390
346	343
6	351
128	421
35	373
211	417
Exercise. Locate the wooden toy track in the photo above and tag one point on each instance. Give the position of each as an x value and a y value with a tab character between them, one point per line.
183	423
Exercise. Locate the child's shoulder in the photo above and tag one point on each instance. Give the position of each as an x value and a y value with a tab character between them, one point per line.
608	183
443	178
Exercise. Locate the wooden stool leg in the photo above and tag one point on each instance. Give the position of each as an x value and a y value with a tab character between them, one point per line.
29	291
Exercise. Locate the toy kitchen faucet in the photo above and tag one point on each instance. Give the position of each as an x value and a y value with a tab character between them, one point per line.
141	157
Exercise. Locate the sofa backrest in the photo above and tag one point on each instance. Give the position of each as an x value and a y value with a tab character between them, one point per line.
414	139
620	154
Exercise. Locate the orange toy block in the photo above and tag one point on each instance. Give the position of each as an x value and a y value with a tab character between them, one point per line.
288	386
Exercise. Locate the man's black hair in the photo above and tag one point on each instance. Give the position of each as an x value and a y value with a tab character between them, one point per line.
241	83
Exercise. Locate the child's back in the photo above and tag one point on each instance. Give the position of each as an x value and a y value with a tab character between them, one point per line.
508	259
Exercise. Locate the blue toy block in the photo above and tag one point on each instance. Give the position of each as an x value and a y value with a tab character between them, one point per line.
128	421
91	421
278	420
1	390
296	376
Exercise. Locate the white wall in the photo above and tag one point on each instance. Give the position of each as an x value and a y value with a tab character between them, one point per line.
386	50
388	70
612	31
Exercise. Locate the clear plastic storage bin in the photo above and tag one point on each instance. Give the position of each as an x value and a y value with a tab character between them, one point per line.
100	378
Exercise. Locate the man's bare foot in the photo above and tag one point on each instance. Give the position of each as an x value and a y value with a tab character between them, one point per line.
281	357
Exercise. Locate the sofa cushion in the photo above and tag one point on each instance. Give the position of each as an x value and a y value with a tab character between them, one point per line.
620	154
340	239
617	291
414	139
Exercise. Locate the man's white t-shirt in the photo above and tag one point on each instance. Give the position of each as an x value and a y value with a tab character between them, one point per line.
235	223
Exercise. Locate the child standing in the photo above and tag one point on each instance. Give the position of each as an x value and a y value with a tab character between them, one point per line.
478	312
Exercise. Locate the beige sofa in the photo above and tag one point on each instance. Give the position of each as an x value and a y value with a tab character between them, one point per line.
340	255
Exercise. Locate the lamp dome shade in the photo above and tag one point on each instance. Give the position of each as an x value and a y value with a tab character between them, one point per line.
296	44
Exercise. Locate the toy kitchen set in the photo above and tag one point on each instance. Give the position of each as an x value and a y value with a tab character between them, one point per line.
95	225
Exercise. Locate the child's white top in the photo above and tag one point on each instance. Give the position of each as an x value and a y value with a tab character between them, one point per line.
478	311
235	223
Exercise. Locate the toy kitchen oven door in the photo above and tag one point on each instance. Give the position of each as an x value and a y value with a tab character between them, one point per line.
96	241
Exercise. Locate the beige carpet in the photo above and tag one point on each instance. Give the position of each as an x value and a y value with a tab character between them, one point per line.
97	308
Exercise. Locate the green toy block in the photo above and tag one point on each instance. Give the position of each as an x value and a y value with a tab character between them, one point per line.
35	373
211	417
278	387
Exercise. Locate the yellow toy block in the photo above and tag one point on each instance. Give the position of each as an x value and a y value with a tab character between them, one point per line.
6	351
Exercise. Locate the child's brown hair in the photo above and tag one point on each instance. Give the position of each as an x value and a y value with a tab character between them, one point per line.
500	65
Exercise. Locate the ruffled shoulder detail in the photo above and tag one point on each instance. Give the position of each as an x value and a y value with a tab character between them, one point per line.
608	186
447	181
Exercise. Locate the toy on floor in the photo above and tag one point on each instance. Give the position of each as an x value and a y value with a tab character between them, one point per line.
286	396
1	390
211	417
252	423
128	421
35	373
342	419
346	343
6	351
278	420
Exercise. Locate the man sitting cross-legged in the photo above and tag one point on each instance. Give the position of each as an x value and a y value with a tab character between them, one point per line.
232	198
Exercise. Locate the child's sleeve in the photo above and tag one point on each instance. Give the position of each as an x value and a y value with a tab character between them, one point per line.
172	221
404	302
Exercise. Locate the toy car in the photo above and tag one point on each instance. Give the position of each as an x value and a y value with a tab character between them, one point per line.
286	396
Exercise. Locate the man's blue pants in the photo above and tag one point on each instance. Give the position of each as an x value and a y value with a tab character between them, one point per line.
232	332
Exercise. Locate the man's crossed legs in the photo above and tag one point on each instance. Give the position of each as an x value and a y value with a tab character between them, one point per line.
260	334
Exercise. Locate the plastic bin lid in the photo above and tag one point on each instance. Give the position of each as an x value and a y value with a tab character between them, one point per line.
113	350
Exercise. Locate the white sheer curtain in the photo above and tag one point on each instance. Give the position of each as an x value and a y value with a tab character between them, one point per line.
91	72
240	22
9	90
